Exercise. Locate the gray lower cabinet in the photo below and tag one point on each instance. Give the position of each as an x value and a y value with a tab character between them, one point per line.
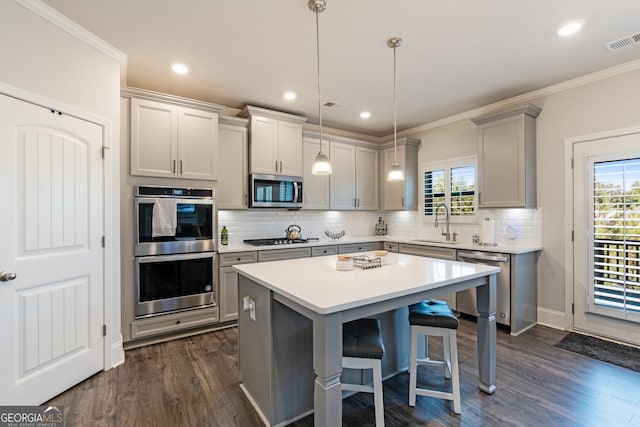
358	247
278	370
228	282
390	246
324	250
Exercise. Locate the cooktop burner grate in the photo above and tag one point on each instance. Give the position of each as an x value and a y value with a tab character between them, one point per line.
274	241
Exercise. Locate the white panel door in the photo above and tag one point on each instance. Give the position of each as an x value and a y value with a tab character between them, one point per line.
51	313
606	248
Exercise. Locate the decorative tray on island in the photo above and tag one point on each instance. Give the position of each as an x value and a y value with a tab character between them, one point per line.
365	263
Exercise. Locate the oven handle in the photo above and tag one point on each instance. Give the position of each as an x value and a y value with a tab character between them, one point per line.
174	257
179	200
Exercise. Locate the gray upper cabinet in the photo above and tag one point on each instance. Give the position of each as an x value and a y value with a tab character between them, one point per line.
354	182
315	187
275	141
401	195
507	158
170	138
233	148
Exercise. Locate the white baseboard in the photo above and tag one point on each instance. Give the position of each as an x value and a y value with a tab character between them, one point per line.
117	353
551	318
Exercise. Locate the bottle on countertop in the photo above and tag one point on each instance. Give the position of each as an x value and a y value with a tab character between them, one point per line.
224	236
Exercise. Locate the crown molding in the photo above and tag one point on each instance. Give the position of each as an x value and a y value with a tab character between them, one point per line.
527	97
127	92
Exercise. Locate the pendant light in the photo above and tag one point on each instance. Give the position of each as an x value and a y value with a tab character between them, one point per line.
321	164
395	173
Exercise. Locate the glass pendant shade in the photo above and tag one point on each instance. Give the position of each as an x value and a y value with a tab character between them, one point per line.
321	165
395	173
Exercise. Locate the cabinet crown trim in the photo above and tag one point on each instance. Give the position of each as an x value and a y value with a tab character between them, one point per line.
403	141
233	121
132	92
528	109
251	110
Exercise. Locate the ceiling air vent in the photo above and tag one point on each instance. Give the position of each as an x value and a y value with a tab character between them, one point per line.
623	42
333	105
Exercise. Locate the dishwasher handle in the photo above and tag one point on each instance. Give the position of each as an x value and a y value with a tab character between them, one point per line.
482	257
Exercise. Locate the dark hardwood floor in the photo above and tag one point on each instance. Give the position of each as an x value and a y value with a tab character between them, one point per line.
194	382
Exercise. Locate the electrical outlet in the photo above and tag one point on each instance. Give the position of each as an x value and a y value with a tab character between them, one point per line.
249	305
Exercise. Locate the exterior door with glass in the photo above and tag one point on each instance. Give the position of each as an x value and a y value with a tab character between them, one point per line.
606	220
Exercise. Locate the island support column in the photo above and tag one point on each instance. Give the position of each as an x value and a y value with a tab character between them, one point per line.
486	306
327	364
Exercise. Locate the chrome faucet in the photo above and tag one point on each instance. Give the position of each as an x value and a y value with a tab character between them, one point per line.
446	218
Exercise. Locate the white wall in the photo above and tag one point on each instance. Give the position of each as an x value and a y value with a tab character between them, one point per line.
40	58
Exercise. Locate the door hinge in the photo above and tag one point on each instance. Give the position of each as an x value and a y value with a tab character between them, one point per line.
104	241
104	330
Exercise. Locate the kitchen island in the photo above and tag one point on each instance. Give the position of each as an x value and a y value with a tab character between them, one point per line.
290	325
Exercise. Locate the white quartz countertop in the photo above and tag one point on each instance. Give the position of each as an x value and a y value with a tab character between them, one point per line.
317	285
514	248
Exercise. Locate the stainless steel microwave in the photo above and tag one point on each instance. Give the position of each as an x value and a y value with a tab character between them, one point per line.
276	191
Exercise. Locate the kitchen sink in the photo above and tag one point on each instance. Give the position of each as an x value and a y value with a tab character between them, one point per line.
435	241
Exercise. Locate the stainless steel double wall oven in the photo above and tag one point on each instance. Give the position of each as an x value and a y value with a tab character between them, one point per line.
174	249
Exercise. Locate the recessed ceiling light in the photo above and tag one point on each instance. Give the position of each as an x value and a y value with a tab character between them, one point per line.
570	28
365	115
290	96
180	68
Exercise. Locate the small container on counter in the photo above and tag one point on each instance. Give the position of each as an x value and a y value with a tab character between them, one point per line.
344	263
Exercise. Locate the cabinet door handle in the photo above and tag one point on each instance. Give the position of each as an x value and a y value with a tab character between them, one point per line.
246	199
402	202
276	166
280	166
174	166
180	166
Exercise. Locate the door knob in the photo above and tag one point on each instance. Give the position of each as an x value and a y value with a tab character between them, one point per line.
6	276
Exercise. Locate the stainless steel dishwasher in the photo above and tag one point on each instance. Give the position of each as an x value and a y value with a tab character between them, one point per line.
466	300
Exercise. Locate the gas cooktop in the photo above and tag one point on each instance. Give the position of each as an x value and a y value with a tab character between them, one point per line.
274	241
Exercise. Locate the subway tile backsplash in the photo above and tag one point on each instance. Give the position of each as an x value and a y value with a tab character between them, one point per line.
512	226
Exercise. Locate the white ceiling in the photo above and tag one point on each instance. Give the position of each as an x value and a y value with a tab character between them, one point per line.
456	56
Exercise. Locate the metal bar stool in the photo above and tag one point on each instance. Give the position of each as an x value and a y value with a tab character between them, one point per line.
362	348
434	318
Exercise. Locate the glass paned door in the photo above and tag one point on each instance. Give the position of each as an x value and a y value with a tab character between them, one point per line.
616	234
606	242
